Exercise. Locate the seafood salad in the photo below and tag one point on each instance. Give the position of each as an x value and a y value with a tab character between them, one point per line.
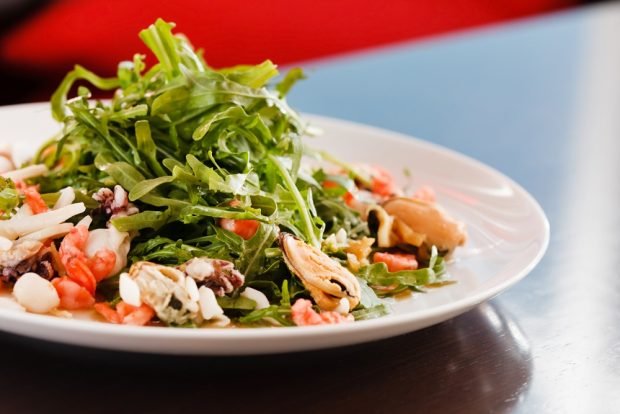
191	199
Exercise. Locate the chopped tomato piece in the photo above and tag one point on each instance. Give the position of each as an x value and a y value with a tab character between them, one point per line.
348	197
72	295
396	261
330	184
382	182
34	200
244	228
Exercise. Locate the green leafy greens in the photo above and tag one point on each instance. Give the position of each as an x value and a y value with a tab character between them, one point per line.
192	146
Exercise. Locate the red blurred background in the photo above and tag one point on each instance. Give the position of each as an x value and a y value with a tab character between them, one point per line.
41	40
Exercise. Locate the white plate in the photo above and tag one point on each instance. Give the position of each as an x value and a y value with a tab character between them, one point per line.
508	234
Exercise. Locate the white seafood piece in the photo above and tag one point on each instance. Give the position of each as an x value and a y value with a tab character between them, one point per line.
67	196
35	293
21	250
25	173
120	198
50	232
341	236
20	226
343	307
199	269
112	239
129	290
86	221
209	308
163	289
192	288
326	279
337	241
5	244
23	211
257	296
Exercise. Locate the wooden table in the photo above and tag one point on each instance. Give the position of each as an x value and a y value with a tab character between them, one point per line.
540	101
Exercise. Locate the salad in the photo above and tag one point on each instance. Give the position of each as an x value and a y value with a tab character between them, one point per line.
190	199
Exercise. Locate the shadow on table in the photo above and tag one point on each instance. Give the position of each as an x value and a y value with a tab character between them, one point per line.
478	362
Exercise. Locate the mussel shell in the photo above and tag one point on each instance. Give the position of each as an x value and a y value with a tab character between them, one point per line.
326	279
428	219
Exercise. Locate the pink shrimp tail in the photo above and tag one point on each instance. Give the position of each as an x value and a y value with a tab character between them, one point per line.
102	263
304	315
74	259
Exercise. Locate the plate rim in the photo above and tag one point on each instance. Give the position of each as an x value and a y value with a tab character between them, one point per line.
394	322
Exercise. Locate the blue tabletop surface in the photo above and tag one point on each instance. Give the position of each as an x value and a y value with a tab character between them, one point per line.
538	100
485	93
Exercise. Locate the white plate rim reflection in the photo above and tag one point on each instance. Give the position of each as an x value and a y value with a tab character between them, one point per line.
31	123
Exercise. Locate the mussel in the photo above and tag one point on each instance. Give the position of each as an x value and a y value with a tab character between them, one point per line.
327	280
384	224
417	217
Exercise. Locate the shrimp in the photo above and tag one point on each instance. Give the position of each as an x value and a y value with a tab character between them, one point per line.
33	198
304	315
102	263
86	271
126	314
78	271
135	315
72	295
107	251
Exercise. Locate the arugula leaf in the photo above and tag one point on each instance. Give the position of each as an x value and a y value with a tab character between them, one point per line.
147	146
371	313
252	255
252	76
59	98
280	314
142	220
369	298
142	188
165	250
9	197
158	37
289	80
238	303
